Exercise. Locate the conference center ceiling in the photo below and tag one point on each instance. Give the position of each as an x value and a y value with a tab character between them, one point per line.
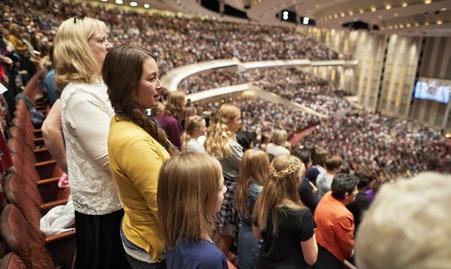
406	17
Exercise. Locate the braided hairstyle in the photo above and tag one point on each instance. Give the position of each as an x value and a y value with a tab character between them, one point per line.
280	190
121	72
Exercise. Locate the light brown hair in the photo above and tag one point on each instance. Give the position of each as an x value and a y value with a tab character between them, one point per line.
187	194
254	166
280	190
193	124
175	104
219	135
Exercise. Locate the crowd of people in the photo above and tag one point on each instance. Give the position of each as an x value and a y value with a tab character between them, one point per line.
383	146
216	78
144	200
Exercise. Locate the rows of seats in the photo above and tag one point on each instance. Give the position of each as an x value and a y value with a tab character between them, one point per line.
29	190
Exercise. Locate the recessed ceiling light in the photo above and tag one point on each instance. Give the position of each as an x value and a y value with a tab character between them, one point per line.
146	6
443	9
342	14
404	4
104	0
426	23
439	22
417	24
351	12
380	16
373	9
361	11
427	1
387	7
119	2
133	4
408	25
335	15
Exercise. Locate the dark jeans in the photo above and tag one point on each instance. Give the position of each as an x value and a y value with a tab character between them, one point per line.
137	264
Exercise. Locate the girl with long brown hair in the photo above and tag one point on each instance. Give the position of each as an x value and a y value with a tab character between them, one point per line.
137	149
190	193
173	116
254	171
282	221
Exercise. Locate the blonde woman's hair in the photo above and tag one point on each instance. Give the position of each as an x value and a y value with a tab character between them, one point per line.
408	225
219	134
175	104
74	60
188	189
193	124
254	166
280	190
279	136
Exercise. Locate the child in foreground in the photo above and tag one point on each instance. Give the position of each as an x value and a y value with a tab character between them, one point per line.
190	193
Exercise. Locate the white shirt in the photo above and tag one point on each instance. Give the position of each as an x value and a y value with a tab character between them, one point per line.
86	113
196	144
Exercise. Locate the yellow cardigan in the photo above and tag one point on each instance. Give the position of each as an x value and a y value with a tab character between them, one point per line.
135	159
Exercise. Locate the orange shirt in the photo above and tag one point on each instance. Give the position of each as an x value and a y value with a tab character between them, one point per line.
335	227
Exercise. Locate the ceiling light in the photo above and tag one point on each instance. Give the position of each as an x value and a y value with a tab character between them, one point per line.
342	14
104	0
335	16
404	4
361	11
417	24
426	23
351	12
380	16
439	22
401	26
133	4
396	26
146	5
408	25
119	2
396	14
387	7
443	9
373	9
427	1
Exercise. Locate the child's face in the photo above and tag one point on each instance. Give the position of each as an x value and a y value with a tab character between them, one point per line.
220	197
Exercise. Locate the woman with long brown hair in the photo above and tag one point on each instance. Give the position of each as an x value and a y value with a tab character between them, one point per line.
173	116
137	149
254	171
282	221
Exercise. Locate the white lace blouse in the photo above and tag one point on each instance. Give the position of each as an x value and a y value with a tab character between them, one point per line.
86	113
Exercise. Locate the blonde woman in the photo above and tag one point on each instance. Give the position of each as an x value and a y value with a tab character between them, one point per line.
254	171
80	49
276	148
191	189
172	117
194	135
221	144
137	149
282	221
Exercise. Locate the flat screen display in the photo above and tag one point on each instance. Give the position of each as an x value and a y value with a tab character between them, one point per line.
437	90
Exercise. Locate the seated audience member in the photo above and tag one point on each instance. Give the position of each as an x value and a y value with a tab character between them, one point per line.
190	193
408	225
276	148
137	149
335	224
307	191
254	171
285	225
324	179
361	202
171	118
194	135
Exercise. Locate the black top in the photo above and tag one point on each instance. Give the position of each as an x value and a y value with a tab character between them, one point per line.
308	198
357	208
283	250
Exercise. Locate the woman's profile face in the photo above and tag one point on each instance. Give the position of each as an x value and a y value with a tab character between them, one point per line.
148	93
99	45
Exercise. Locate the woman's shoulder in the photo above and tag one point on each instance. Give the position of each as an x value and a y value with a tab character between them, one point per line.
200	254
